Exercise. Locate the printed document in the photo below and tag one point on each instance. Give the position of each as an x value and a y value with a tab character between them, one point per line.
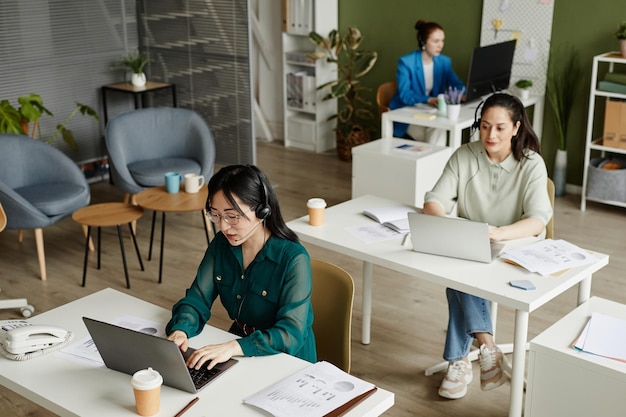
548	257
315	391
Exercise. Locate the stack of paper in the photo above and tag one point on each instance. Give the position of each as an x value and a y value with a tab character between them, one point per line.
319	390
604	336
548	257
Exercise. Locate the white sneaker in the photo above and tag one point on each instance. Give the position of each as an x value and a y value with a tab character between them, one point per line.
454	384
491	374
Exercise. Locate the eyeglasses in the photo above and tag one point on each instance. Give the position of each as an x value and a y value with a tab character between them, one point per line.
231	219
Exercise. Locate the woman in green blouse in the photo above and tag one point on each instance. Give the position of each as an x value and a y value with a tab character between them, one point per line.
257	267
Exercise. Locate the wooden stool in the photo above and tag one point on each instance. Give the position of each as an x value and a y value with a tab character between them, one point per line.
104	215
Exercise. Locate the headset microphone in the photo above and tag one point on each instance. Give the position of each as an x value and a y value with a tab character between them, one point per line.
250	232
476	123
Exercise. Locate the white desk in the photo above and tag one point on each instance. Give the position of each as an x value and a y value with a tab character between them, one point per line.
489	281
563	381
70	388
400	175
455	128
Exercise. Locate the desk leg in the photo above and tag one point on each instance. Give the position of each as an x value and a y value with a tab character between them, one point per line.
584	290
87	254
162	240
174	102
386	128
519	363
538	118
119	235
151	235
103	91
368	269
455	137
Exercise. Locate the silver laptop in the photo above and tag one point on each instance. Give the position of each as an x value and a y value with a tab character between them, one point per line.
452	237
128	351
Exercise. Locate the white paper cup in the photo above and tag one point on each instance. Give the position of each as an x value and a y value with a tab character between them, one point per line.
316	207
147	388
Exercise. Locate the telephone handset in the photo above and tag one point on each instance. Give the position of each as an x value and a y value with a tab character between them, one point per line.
20	336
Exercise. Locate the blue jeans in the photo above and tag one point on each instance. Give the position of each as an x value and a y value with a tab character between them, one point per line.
468	315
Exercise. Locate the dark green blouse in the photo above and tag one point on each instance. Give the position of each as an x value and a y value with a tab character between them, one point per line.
272	295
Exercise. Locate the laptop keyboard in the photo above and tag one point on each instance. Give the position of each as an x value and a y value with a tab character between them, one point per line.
203	376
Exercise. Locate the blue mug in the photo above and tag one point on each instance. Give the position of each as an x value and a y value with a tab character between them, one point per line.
172	182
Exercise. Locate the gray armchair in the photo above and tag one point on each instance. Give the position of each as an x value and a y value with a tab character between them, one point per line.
39	185
145	144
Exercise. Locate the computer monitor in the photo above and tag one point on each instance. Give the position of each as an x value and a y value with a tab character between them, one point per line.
490	69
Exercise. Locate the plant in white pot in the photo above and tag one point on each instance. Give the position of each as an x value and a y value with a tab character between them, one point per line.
136	62
524	88
561	87
620	34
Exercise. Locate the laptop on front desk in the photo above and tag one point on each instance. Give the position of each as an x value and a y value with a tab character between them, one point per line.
126	350
452	237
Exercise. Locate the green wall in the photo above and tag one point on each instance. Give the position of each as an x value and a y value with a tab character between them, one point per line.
587	25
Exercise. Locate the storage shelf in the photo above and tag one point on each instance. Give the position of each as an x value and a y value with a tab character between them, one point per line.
609	59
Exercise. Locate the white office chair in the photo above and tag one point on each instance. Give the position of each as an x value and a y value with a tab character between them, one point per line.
21	303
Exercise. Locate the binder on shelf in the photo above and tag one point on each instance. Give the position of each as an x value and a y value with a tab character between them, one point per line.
299	16
309	92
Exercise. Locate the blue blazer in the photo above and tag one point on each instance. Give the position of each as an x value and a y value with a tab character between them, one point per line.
412	87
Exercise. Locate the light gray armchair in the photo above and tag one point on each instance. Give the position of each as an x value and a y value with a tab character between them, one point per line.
145	144
39	185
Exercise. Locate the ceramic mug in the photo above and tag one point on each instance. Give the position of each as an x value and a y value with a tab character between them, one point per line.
172	182
193	183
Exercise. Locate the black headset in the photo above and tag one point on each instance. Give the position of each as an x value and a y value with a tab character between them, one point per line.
476	123
263	210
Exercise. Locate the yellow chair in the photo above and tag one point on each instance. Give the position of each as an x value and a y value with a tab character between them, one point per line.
332	298
21	303
384	93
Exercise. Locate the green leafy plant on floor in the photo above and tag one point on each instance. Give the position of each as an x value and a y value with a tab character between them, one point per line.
23	119
561	88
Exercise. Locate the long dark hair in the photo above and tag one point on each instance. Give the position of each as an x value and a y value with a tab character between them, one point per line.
526	138
252	187
424	30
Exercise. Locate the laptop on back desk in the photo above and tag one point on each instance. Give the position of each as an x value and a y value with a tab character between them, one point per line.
128	351
453	237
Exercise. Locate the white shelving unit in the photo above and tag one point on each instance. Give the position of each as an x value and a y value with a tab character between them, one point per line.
306	124
596	97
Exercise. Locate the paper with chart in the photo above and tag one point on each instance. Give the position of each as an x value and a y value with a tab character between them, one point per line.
548	257
313	392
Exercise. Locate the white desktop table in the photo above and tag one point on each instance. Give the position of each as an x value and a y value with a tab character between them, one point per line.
71	388
455	128
489	281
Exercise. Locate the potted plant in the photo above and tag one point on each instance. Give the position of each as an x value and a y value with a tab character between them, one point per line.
136	62
561	86
18	120
356	115
620	34
524	88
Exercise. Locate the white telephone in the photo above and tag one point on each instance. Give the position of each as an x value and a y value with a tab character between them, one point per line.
20	336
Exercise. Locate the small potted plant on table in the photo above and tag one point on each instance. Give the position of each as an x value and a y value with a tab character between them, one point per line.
136	62
524	88
620	34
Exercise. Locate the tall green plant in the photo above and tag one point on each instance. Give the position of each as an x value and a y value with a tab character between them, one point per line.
562	81
352	64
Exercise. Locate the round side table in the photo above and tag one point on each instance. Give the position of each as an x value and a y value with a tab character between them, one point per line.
106	215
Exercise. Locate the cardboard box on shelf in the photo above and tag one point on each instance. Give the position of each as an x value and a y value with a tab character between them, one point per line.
615	124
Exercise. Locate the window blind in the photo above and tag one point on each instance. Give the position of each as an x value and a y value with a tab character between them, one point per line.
203	46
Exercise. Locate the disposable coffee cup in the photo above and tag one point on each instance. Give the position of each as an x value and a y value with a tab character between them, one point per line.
316	208
147	387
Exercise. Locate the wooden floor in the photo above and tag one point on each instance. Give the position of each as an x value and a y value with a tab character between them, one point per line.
409	316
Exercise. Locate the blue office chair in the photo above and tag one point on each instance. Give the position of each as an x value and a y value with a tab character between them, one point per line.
145	144
39	185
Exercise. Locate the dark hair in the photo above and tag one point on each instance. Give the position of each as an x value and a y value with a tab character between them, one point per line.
526	138
252	187
424	30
